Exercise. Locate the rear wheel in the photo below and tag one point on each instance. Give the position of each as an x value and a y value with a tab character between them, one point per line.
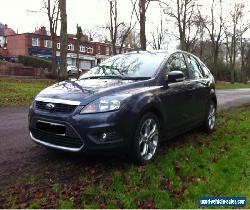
210	121
146	142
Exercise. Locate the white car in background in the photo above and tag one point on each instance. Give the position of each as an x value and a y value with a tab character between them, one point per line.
72	69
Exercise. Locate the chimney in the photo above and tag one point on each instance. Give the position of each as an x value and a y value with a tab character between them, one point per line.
41	31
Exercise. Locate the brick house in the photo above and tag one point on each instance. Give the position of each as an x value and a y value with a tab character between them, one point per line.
39	44
4	32
2	36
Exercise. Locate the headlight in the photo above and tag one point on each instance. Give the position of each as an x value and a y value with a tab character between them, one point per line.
33	104
104	104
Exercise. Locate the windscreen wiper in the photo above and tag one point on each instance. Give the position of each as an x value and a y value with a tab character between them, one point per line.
103	77
136	78
115	77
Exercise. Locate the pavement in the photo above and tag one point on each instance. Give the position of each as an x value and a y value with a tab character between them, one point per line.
17	150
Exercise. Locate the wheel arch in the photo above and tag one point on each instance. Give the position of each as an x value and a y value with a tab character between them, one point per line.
154	110
213	97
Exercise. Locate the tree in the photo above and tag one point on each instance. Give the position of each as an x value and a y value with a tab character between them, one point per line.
96	33
114	25
214	26
125	31
119	31
79	35
64	40
142	21
200	43
141	17
248	62
159	37
183	12
244	50
133	40
234	36
52	11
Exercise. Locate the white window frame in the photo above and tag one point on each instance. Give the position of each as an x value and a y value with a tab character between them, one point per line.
58	46
35	42
71	47
107	51
82	48
90	50
48	43
99	49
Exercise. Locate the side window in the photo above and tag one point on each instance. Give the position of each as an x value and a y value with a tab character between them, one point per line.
177	63
205	69
195	68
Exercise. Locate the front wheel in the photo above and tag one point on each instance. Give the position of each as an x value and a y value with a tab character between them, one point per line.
146	142
210	121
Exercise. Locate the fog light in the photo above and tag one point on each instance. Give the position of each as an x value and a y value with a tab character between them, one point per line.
104	137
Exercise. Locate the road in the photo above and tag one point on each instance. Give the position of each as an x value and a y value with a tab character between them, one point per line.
17	151
233	98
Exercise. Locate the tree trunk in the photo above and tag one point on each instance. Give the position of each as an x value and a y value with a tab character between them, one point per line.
114	47
143	39
215	70
232	75
54	48
64	40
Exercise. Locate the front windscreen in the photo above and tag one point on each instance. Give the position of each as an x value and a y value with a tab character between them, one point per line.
134	65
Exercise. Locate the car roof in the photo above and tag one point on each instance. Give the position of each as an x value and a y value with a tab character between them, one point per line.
167	52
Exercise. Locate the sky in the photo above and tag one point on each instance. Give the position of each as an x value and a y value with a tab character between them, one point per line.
86	13
27	15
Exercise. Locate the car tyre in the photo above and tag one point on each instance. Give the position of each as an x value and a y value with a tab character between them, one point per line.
210	121
69	72
146	140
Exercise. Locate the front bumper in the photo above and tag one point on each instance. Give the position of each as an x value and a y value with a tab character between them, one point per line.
83	132
54	146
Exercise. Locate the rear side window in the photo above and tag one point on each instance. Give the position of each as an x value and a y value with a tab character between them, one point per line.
177	63
205	70
195	68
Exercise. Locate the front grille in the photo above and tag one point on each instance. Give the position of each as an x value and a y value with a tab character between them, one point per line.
65	108
57	140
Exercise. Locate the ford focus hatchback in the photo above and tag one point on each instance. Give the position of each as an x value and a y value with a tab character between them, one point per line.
129	103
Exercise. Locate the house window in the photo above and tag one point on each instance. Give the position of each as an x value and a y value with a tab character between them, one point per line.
107	51
35	42
58	46
71	47
82	48
48	43
89	50
99	49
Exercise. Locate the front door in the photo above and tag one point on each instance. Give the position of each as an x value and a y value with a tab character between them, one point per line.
175	96
199	87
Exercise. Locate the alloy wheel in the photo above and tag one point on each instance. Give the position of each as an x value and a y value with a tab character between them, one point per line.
149	139
212	117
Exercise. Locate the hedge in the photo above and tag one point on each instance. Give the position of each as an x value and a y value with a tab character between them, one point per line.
34	62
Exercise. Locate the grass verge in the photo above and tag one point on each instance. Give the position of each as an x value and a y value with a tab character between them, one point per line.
189	167
223	86
14	92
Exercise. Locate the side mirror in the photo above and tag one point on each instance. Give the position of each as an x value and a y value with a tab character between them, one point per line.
175	76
